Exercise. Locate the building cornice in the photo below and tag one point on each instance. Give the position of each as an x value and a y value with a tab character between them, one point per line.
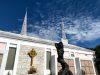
77	48
25	38
37	40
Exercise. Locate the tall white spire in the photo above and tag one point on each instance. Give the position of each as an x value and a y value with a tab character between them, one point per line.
63	39
24	26
63	30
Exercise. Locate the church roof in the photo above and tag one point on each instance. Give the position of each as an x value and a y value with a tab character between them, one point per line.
37	40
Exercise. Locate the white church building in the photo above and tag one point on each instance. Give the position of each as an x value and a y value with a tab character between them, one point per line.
14	58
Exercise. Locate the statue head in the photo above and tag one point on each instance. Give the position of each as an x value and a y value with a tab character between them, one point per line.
59	45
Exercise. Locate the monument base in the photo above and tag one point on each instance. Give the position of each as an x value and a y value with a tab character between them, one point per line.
32	70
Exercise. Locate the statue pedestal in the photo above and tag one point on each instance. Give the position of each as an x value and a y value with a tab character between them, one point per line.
32	70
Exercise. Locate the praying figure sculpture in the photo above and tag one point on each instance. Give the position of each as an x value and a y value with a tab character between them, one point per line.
32	54
65	68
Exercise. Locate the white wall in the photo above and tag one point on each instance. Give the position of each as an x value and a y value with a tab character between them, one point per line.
78	53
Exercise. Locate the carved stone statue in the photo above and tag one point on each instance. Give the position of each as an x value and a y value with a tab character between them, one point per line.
65	68
32	54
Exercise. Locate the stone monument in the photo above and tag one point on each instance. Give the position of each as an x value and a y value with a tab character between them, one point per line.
65	68
32	54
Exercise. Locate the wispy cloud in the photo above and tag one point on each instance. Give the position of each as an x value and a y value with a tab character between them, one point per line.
47	30
81	19
84	29
81	29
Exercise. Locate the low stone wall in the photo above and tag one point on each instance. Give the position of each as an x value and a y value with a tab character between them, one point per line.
24	61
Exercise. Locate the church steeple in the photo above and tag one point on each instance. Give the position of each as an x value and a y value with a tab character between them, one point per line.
24	26
63	38
62	29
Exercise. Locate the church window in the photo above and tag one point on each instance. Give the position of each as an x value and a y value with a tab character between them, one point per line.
1	56
78	68
11	58
48	59
72	54
87	67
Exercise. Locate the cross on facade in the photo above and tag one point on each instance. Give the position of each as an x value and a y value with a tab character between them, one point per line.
32	54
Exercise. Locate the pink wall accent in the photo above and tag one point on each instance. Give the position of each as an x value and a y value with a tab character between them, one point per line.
83	55
66	53
2	47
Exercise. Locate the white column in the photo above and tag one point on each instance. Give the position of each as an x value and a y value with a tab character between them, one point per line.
16	59
4	60
93	67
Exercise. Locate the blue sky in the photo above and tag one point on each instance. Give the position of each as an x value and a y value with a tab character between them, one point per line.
81	19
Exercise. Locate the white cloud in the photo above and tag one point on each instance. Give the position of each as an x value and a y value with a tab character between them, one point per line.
49	33
83	29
